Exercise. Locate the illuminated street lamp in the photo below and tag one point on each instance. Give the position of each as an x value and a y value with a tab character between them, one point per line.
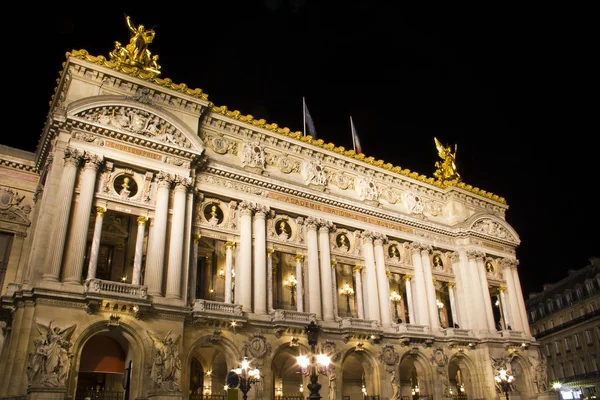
395	298
348	292
243	377
504	380
318	363
291	283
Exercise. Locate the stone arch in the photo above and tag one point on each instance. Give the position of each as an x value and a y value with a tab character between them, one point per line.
347	380
87	109
285	372
210	352
414	364
468	374
522	370
122	333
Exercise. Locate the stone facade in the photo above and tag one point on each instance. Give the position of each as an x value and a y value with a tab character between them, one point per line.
155	230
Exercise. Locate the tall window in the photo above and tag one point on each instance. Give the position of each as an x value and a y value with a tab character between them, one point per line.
577	338
557	348
5	245
567	347
588	337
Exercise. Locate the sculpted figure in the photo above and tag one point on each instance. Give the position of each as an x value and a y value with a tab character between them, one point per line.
166	369
395	387
332	386
446	170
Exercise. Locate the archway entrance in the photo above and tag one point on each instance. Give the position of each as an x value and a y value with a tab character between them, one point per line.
356	381
102	368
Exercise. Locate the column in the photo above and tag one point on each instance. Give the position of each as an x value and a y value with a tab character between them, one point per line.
93	264
155	258
174	267
61	216
434	319
270	280
260	261
476	294
518	293
334	289
383	283
229	246
452	303
371	276
485	292
139	250
517	322
359	297
409	299
299	285
314	281
77	243
325	261
243	270
194	268
422	310
461	291
505	308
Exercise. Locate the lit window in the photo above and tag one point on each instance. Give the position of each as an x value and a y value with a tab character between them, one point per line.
588	337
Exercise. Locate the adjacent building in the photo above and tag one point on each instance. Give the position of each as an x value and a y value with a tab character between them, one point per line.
154	240
565	320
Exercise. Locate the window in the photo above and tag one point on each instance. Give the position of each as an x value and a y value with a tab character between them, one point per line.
547	350
579	292
595	362
552	373
570	316
558	302
582	365
5	245
550	324
562	370
590	287
557	348
567	347
588	337
541	310
560	320
581	312
533	315
550	306
592	307
568	298
577	338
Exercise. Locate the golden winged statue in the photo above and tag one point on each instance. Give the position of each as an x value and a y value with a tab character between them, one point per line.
446	170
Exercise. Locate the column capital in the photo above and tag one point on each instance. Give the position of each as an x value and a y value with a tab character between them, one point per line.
92	161
182	183
261	210
333	263
325	225
270	252
100	211
230	245
502	289
357	268
379	239
475	255
246	208
454	257
367	237
451	285
72	156
141	220
196	237
420	248
408	277
299	257
508	263
163	179
388	273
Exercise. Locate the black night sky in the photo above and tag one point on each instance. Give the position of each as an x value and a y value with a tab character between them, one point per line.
509	85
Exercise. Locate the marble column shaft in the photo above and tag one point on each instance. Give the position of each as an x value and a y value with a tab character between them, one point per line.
461	290
371	277
383	283
77	243
409	300
434	319
505	309
139	250
326	281
473	291
95	250
453	306
299	285
229	246
359	297
243	271
194	268
485	292
314	280
155	259
422	309
61	216
175	265
260	262
522	310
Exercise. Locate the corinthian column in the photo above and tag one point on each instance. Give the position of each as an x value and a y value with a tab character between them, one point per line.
383	283
176	240
434	319
314	281
81	220
91	274
476	292
371	277
422	309
485	293
243	272
461	291
62	212
260	261
326	281
409	300
155	259
505	308
299	285
229	246
139	250
194	268
452	303
359	297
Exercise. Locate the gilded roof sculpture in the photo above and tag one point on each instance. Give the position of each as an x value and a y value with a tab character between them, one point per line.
136	60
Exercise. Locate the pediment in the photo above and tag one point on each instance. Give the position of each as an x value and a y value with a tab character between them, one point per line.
493	227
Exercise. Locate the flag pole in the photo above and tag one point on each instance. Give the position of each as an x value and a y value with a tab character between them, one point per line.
352	133
304	115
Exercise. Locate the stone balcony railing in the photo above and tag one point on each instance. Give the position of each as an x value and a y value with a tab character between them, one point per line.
296	317
217	308
115	289
413	328
458	333
360	324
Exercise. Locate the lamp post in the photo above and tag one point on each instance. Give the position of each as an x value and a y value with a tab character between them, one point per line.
317	363
348	292
395	298
291	283
247	377
504	380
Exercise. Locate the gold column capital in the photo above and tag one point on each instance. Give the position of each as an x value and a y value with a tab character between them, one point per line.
408	277
270	252
502	289
100	211
388	273
141	220
299	257
196	237
333	263
230	245
451	285
357	268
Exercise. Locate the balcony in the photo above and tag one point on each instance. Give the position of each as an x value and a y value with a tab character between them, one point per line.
100	289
